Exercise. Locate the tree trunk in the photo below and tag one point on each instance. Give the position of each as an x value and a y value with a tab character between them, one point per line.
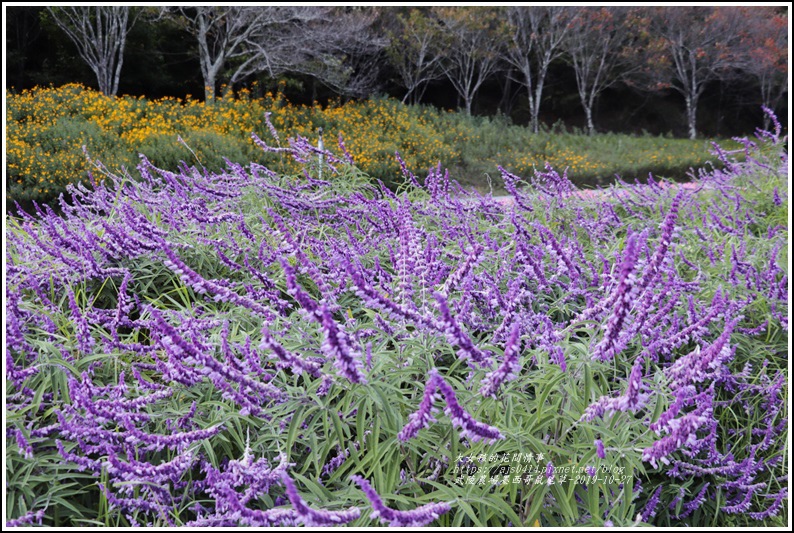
118	68
534	109
99	34
691	112
533	123
588	111
535	106
209	68
209	88
532	119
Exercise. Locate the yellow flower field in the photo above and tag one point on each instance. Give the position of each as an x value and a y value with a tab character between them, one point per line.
47	129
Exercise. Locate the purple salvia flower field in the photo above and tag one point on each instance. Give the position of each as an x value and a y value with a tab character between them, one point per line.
250	349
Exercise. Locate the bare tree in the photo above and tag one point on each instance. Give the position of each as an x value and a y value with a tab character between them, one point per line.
223	34
596	40
100	34
471	48
277	38
536	36
688	48
349	52
328	43
413	52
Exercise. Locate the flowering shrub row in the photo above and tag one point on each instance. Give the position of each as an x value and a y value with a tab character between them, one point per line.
48	127
246	349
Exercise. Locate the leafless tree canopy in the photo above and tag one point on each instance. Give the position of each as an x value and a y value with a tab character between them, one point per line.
346	48
471	48
536	37
100	34
332	44
414	53
596	43
346	51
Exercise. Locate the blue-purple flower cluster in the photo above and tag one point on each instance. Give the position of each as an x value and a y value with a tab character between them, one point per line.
469	427
176	311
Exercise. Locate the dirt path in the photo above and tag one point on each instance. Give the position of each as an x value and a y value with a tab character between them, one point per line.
589	194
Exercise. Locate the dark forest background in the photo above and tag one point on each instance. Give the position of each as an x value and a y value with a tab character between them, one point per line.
161	59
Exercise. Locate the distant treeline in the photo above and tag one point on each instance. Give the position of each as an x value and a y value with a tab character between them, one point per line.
682	70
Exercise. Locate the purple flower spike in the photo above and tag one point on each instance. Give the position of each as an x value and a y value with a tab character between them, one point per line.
419	517
650	508
508	369
24	447
610	345
342	147
29	518
294	290
776	197
774	508
346	360
313	517
424	415
633	399
665	240
699	365
287	359
270	126
470	428
683	432
692	506
449	326
600	449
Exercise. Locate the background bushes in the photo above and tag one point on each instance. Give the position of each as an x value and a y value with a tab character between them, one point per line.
47	129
